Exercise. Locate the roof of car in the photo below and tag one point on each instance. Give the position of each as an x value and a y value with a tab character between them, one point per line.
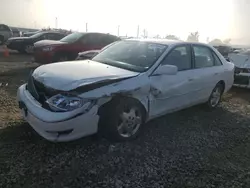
51	32
163	41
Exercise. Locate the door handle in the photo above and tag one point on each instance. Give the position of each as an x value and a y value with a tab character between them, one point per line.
216	73
190	79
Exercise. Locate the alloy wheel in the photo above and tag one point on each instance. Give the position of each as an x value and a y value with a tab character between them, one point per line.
129	122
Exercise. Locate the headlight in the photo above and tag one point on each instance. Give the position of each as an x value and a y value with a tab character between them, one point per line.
47	49
67	102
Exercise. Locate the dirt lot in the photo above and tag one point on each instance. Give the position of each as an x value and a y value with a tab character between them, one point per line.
191	148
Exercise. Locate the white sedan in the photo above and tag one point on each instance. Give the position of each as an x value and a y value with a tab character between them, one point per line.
121	88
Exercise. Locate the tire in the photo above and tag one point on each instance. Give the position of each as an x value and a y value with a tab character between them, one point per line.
29	49
215	96
122	120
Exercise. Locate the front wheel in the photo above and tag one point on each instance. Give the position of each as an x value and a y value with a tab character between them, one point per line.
123	119
29	49
215	96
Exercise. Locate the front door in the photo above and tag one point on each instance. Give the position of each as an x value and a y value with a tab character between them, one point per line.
173	92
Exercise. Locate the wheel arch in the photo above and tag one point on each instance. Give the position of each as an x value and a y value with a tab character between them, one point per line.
223	85
144	104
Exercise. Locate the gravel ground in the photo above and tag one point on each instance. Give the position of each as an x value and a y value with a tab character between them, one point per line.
190	148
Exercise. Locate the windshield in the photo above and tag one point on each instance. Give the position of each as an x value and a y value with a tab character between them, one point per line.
72	37
36	35
131	55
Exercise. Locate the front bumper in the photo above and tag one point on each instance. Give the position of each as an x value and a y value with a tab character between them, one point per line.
56	126
43	57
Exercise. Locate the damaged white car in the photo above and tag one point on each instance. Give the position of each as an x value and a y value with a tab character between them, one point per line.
241	61
122	87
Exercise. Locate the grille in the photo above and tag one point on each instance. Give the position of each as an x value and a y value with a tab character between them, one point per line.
40	92
31	88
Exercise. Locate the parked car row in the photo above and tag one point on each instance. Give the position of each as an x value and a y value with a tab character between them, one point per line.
123	86
68	47
7	32
26	44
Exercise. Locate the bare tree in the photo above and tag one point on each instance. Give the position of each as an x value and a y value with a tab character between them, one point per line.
227	41
172	37
216	42
157	36
193	37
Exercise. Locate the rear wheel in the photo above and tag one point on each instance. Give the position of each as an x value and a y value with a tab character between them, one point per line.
122	120
215	96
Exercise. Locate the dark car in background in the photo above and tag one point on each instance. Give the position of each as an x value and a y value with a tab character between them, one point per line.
26	44
69	47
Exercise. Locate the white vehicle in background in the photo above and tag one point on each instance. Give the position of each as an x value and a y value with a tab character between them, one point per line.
125	85
5	33
241	61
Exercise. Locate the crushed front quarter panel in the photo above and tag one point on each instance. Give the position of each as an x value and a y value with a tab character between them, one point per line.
137	87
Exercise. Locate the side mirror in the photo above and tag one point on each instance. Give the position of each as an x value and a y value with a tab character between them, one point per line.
166	70
227	58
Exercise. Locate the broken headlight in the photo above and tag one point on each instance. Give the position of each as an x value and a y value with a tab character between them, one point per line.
65	103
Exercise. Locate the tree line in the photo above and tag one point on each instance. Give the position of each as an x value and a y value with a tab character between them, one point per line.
194	37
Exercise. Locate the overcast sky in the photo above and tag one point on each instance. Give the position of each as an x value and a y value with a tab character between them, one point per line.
212	18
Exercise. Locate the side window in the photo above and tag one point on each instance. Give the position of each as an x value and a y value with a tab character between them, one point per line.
43	37
217	61
89	40
180	57
203	57
54	36
50	36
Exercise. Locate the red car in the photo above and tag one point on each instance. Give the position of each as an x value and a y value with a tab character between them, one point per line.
48	51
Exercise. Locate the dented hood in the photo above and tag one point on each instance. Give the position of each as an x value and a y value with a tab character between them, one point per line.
240	60
66	76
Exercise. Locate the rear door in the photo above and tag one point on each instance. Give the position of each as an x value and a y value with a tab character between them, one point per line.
208	70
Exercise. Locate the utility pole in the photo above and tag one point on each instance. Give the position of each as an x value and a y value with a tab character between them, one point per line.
138	31
86	27
56	23
118	31
144	33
